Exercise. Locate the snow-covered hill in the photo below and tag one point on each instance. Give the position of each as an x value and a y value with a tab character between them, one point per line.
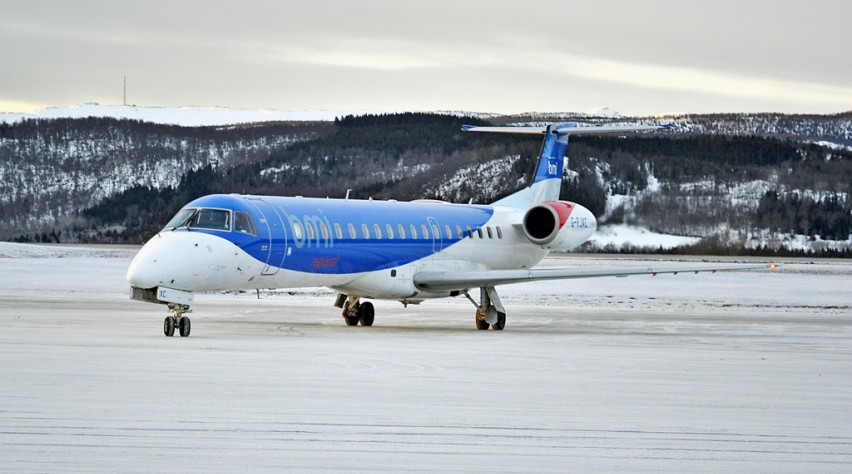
832	130
183	116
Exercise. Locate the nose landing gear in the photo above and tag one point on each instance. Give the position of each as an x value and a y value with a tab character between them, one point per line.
177	320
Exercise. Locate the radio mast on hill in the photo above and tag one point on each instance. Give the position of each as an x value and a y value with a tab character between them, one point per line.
125	90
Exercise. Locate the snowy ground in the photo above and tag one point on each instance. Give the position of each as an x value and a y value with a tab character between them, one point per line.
621	235
746	371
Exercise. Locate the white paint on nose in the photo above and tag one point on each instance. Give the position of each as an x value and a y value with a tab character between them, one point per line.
183	260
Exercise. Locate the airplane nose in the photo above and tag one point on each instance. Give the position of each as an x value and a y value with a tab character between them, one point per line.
173	260
148	268
189	261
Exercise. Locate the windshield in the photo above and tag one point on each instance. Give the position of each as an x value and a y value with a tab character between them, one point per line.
218	219
180	219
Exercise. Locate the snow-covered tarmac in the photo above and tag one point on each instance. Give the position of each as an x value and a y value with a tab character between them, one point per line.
747	371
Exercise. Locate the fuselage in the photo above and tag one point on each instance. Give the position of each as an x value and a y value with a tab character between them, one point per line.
365	247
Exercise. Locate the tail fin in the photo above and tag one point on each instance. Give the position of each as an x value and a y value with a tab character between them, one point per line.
547	181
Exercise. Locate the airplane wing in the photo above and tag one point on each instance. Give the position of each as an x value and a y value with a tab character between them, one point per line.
449	280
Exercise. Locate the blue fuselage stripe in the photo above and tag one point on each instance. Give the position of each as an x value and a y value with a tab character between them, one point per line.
313	235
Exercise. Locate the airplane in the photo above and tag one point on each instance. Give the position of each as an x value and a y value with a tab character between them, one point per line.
376	249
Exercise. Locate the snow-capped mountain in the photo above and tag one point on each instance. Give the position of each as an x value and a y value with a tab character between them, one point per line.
605	111
183	116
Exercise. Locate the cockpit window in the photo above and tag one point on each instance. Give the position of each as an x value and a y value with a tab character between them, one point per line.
218	219
244	223
181	218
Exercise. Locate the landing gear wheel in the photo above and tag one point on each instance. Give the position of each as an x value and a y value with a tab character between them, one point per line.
184	325
501	322
169	326
481	324
351	320
367	313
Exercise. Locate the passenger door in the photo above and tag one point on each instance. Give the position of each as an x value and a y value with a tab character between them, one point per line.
276	233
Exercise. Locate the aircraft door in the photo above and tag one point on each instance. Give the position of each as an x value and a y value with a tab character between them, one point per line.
277	236
435	230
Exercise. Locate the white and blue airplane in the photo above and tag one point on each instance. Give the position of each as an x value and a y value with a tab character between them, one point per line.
370	249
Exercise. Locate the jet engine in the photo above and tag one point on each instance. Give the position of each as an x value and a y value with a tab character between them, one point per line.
559	225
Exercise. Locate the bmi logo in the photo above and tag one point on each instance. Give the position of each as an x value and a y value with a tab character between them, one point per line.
551	168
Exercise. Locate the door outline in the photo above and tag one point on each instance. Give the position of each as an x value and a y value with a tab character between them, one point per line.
437	238
274	226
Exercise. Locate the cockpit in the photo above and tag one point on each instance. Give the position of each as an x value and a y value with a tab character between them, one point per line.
213	219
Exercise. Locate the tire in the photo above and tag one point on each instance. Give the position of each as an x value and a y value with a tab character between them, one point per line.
169	326
351	320
481	323
501	322
185	325
367	314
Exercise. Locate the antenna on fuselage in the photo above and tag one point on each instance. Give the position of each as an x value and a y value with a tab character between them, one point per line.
348	191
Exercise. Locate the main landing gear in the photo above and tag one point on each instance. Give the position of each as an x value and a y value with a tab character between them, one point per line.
177	320
489	310
355	312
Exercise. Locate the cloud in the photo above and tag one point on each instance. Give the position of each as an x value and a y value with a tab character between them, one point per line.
703	81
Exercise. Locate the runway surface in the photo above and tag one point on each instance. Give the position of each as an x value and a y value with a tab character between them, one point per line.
746	372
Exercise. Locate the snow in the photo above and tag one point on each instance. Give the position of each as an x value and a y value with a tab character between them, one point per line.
604	111
199	116
619	235
184	116
711	372
832	145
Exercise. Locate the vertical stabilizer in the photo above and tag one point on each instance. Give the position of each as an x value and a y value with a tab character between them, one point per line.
547	181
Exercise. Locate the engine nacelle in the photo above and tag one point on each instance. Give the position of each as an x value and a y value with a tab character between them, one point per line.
559	225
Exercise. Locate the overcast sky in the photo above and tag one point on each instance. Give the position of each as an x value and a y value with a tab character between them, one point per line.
638	57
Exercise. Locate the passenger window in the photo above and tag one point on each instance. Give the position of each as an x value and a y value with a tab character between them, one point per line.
459	232
436	231
324	229
311	232
338	232
401	230
390	230
449	233
351	231
469	232
490	234
499	233
244	223
425	231
378	231
217	219
365	230
413	231
297	231
479	232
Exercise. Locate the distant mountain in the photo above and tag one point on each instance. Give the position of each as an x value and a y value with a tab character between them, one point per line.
604	112
183	116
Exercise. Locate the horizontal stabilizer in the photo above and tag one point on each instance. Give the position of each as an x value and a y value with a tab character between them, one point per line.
570	129
448	281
